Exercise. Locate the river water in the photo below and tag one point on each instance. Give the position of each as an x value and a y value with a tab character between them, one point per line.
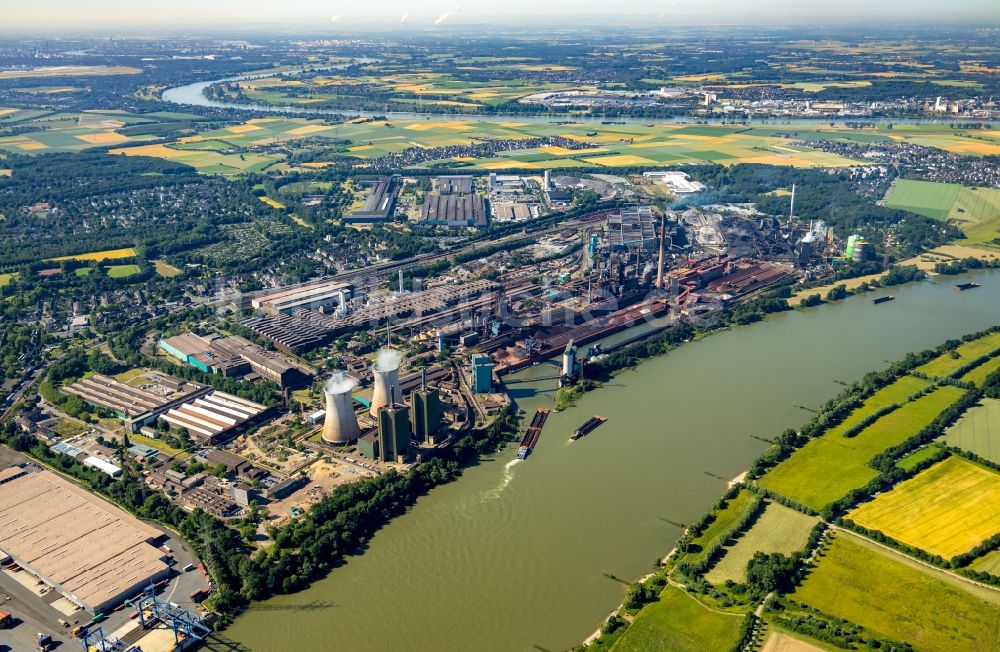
193	95
515	556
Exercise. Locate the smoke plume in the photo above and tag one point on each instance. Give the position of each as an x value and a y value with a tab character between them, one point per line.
335	19
406	17
339	383
387	359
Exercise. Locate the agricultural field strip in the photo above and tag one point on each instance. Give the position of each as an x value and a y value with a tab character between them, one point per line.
725	520
947	363
830	466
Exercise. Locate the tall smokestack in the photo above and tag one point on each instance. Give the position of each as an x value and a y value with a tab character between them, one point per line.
659	266
402	286
341	424
386	372
791	207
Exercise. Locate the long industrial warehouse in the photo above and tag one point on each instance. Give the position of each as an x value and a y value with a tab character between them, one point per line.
88	550
208	418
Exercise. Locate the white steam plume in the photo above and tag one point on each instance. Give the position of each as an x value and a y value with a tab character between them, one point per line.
339	383
446	15
387	359
406	17
335	19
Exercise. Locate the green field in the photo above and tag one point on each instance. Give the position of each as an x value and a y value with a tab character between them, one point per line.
988	563
911	460
831	465
948	363
122	271
725	520
928	198
7	278
678	623
946	510
975	210
978	430
899	599
779	529
978	375
897	391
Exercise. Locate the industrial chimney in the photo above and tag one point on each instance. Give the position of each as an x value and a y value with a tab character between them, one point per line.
340	425
386	372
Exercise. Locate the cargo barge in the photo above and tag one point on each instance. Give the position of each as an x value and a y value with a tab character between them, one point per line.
879	300
962	287
533	433
588	427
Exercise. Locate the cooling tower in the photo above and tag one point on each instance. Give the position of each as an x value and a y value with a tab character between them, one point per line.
385	381
386	372
340	425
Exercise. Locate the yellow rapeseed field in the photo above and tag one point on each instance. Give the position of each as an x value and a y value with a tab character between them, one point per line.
946	510
109	254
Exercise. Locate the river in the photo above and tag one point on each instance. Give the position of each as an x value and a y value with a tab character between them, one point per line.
512	557
193	95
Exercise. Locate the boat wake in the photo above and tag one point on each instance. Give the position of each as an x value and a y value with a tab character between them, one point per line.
508	475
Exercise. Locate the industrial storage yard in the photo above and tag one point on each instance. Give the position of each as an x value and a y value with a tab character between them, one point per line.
71	559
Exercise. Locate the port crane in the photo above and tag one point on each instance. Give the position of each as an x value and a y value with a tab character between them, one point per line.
184	624
98	641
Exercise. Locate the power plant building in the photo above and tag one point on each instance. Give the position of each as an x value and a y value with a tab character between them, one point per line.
393	433
426	413
482	374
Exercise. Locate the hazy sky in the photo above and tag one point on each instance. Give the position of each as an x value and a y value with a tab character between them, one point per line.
87	14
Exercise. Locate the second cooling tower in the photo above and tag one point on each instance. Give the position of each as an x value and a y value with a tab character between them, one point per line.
341	425
385	382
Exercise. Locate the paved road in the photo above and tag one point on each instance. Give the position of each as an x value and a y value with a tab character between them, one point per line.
31	615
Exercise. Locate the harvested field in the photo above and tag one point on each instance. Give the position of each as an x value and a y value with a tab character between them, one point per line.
780	642
778	529
978	431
